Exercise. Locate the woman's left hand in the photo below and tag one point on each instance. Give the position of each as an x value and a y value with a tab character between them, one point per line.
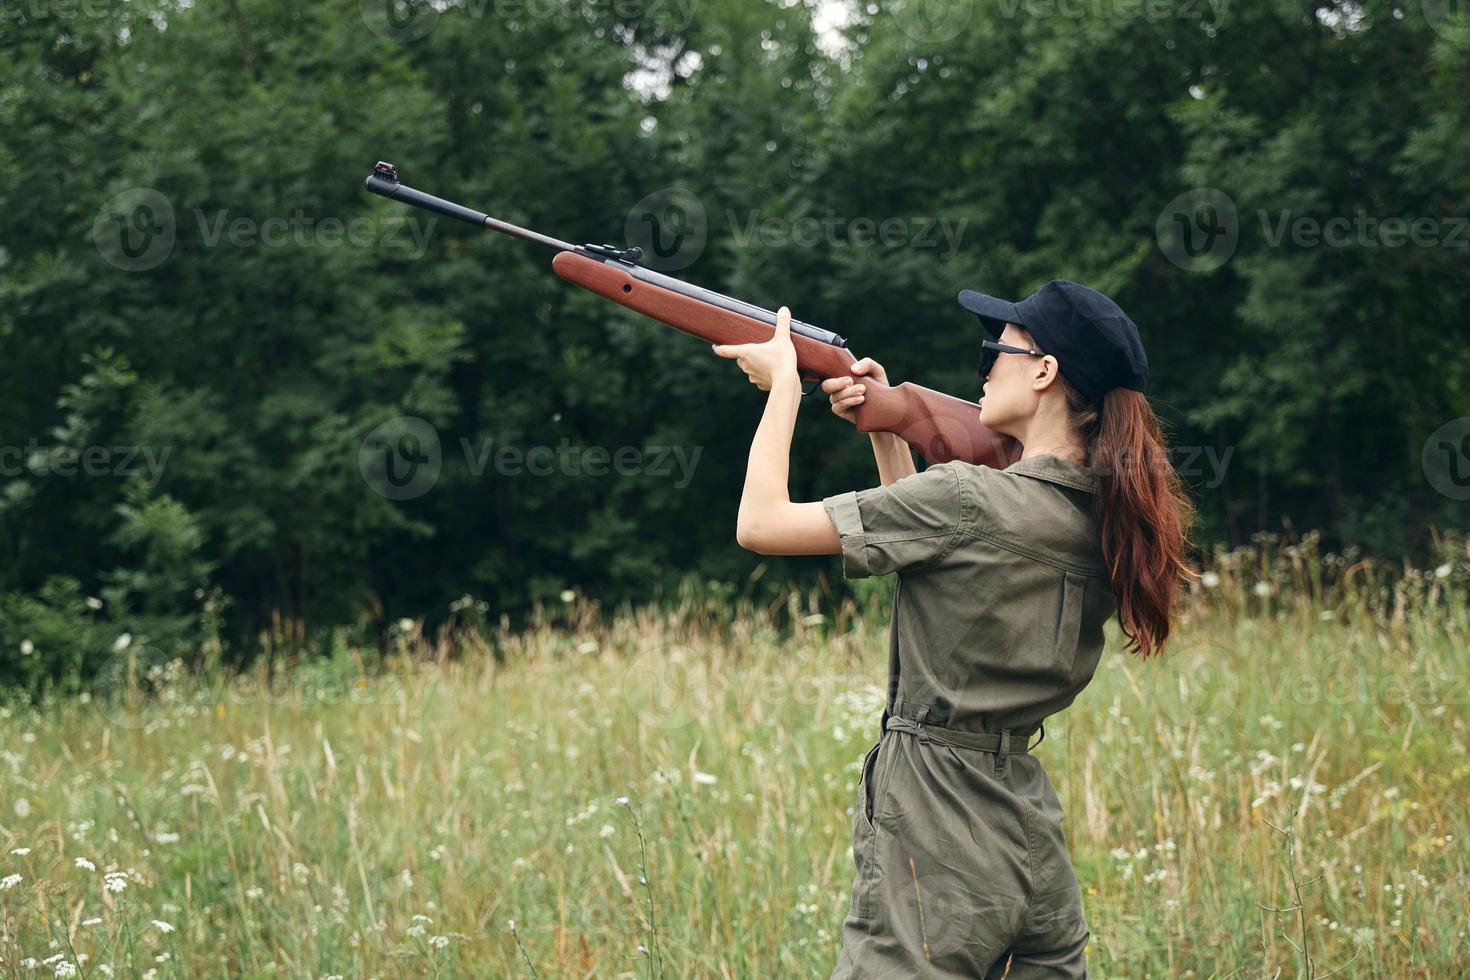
768	362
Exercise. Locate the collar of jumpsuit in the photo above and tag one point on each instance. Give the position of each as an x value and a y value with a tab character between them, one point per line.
1057	470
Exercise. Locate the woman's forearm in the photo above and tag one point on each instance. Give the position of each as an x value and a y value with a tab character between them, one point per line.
895	461
767	471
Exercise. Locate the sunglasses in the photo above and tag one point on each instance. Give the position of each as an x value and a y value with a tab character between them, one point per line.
990	350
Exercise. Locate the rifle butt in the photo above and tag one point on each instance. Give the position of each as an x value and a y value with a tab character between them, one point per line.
941	427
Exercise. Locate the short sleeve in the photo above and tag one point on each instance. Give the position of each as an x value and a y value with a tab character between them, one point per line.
903	526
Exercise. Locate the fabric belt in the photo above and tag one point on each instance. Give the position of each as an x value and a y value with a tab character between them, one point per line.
1003	743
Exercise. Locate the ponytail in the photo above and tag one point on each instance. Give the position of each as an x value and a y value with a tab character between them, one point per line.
1142	510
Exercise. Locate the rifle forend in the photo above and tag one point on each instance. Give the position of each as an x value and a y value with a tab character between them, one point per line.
940	426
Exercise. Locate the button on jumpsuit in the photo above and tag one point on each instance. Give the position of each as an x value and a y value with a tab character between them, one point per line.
962	867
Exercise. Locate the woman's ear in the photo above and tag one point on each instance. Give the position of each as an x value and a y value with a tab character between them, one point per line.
1048	369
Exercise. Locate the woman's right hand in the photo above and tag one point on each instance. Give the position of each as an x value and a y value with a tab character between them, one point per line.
847	392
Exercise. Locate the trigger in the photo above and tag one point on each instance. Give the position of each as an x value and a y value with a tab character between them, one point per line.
816	382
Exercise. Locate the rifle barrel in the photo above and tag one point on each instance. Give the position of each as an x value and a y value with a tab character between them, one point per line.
384	182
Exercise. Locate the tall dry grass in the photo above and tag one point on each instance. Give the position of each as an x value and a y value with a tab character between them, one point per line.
669	793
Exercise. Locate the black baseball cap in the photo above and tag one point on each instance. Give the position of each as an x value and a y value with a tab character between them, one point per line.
1096	346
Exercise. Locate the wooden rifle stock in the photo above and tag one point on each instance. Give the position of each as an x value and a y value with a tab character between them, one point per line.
940	426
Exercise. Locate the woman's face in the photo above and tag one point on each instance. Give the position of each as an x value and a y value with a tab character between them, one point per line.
1007	397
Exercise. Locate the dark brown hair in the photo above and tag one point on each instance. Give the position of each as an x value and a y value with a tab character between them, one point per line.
1142	511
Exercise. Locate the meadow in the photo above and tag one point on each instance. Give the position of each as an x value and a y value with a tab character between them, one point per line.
669	792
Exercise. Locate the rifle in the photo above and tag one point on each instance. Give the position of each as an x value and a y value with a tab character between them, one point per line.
940	426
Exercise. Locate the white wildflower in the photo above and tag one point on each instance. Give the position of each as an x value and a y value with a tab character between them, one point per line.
115	881
123	641
1442	571
606	831
1262	588
27	648
706	778
162	926
20	851
567	595
438	942
10	881
94	603
22	807
84	863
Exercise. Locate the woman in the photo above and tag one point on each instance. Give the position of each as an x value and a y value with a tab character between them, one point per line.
1005	579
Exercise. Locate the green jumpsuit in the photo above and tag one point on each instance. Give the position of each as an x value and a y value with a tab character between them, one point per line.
962	864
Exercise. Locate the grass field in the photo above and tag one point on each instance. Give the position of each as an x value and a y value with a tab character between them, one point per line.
670	794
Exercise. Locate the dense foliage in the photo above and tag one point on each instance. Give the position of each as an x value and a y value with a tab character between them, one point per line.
206	324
